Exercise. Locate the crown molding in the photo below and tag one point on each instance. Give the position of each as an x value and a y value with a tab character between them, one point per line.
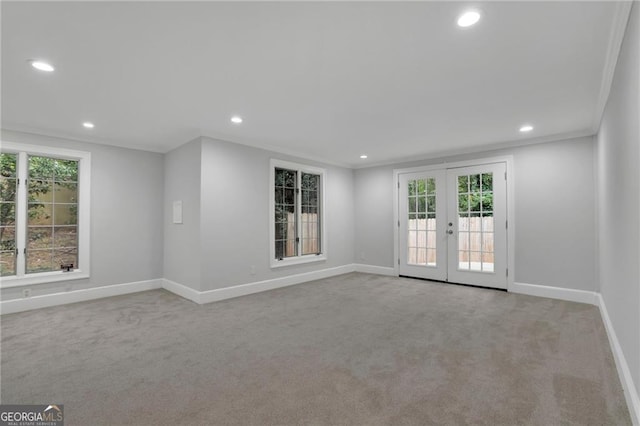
616	37
481	148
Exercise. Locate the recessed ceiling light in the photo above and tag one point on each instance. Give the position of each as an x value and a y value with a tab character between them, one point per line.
88	125
469	18
236	119
363	156
42	66
526	128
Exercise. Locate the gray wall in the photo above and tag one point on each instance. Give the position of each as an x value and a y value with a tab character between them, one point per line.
374	216
555	214
618	159
235	216
224	188
182	242
555	225
126	227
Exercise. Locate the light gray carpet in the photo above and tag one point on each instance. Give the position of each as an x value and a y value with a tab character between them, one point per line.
356	349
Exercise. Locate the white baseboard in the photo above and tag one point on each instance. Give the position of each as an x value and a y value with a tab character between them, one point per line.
372	269
630	392
181	290
259	286
571	295
47	300
200	297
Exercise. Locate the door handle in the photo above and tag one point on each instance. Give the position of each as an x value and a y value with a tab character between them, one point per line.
450	231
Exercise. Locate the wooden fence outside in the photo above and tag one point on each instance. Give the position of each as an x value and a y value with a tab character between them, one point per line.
309	238
475	240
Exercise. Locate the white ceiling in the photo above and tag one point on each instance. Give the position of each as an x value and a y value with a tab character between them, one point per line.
327	81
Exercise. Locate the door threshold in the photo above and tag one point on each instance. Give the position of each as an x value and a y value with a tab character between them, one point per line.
449	282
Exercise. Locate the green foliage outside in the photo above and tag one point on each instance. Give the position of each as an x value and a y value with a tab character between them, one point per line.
422	187
475	195
422	198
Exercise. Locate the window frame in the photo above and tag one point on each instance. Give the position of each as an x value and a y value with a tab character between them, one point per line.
299	258
84	214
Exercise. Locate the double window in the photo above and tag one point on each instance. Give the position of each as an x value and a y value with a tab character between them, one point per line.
44	215
297	211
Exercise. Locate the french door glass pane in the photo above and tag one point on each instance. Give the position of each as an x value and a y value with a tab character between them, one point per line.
475	222
421	222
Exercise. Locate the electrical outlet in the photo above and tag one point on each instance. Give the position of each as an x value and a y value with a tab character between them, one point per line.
252	270
26	292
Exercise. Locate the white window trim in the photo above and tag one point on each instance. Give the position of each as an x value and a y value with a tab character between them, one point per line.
84	216
300	259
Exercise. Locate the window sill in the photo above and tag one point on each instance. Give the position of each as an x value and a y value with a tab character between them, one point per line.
42	278
312	258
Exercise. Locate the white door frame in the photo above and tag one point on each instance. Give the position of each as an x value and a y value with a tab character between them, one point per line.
508	159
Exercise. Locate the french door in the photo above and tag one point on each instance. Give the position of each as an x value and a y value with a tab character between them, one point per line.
453	225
